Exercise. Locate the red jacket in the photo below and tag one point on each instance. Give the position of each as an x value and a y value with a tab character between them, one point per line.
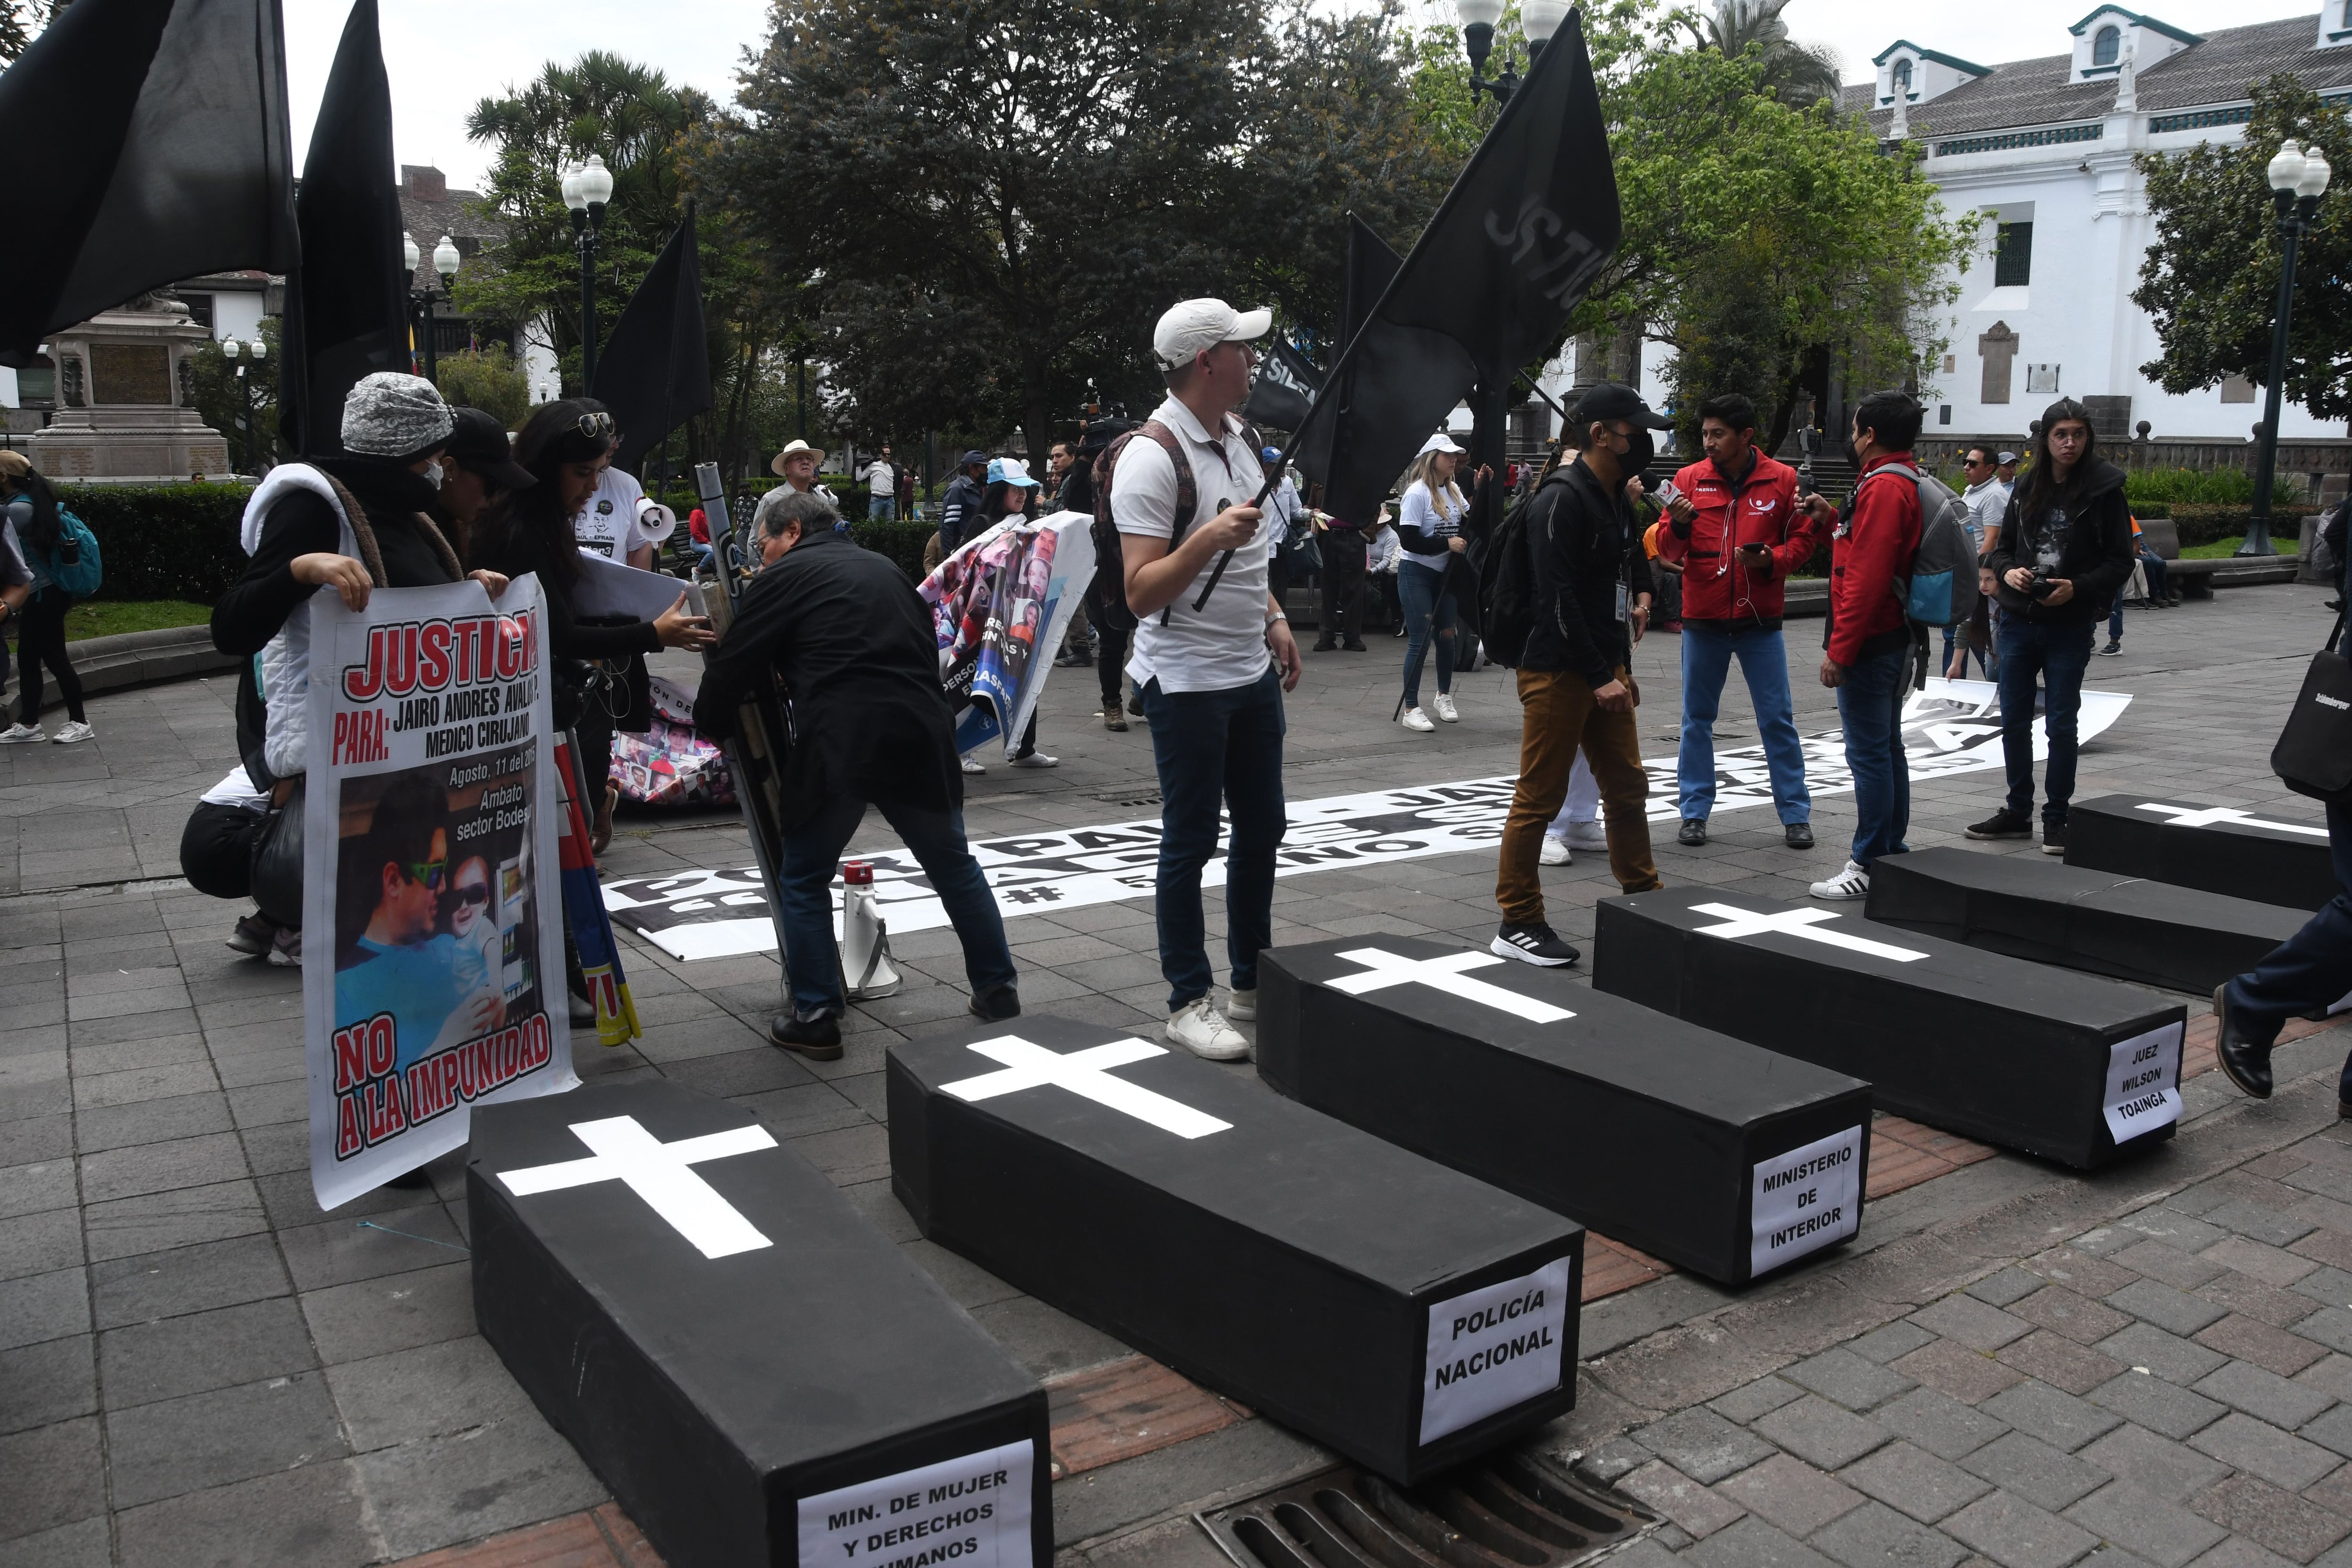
1873	546
1760	510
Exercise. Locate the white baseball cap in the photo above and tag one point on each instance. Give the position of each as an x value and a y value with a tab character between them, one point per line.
1195	326
1441	442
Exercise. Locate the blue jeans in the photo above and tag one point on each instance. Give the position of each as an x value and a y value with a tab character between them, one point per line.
1985	660
883	507
1870	707
2310	971
813	855
2153	564
1427	607
1213	746
1707	652
2059	655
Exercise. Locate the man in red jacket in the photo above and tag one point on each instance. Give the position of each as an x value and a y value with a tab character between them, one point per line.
1869	638
1738	532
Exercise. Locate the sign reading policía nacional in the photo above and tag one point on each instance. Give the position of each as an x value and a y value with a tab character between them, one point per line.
433	936
1493	1348
973	1512
1805	1199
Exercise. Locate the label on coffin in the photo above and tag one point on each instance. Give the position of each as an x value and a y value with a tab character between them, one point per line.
972	1511
1805	1199
1493	1348
2143	1082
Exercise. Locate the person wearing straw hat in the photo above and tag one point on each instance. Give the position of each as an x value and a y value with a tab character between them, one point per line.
796	465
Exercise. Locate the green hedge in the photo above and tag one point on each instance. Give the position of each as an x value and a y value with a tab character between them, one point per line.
163	541
901	541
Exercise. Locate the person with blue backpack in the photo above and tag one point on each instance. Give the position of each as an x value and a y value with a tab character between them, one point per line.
63	556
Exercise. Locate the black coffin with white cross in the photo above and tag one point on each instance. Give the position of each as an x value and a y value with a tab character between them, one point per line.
757	1372
2097	921
1404	1314
2022	1054
1675	1138
2266	856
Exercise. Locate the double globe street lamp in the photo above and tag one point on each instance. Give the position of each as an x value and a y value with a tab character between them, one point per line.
421	300
230	350
1538	19
2298	177
586	188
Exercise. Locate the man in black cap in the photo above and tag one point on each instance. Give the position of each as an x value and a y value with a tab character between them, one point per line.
1576	683
477	469
960	508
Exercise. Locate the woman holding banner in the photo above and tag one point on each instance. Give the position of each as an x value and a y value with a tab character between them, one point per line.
1011	493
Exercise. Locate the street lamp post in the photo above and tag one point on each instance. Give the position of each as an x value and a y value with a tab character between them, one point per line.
2298	177
421	300
1490	407
586	189
231	348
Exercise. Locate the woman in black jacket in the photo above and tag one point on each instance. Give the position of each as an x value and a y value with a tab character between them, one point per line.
2064	552
563	445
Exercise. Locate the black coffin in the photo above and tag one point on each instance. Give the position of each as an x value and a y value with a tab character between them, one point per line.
806	1391
1995	1048
2259	855
2128	927
1267	1250
1656	1132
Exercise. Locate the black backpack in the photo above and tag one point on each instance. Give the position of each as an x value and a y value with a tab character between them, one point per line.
1506	578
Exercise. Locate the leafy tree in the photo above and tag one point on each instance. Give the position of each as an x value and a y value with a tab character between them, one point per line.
1797	74
215	396
2211	280
487	379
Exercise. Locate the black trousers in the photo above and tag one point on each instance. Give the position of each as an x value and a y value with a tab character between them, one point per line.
41	640
1343	585
216	849
1113	630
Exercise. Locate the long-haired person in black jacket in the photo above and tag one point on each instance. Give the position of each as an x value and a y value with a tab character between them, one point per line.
2064	554
563	445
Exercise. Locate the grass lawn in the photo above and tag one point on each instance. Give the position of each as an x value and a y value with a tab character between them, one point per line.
2221	549
108	617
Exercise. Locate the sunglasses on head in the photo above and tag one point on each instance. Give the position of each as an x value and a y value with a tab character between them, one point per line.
432	873
598	425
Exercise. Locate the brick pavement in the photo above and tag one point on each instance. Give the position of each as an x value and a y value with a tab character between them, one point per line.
2012	1364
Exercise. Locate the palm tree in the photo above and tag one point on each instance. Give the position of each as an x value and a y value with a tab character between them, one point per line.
1797	74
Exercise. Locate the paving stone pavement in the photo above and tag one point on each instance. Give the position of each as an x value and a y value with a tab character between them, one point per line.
2012	1364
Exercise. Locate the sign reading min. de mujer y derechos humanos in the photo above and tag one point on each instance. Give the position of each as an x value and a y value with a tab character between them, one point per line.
433	933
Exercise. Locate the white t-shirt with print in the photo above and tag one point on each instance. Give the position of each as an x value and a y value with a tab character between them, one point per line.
617	521
1432	513
1223	646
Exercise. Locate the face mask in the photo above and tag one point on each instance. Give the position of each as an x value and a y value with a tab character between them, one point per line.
1851	455
1640	448
432	474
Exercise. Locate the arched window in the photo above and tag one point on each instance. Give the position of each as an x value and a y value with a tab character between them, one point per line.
2105	46
1903	70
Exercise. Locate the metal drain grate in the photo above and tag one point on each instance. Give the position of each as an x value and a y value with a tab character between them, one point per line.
1510	1511
1131	797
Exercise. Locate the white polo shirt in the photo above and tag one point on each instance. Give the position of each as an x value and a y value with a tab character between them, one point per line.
1223	646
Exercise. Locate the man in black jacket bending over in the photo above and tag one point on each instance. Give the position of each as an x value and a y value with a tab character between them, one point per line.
851	642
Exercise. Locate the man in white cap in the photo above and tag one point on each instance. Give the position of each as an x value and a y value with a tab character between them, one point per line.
1212	665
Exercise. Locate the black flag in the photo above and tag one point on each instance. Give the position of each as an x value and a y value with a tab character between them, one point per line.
1284	390
1352	490
654	371
148	143
1518	241
347	309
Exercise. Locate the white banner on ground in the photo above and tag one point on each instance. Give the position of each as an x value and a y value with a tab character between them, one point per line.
433	925
1953	727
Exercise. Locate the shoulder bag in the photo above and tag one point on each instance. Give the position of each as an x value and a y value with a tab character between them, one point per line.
2313	754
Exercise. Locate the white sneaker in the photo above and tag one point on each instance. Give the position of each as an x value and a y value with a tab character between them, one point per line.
974	765
1554	851
1202	1030
1241	1005
1036	759
17	734
1593	835
1414	719
1854	883
77	731
1446	709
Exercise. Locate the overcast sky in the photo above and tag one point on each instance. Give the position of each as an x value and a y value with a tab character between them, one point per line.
444	55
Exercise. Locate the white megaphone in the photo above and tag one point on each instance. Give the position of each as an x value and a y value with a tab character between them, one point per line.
867	970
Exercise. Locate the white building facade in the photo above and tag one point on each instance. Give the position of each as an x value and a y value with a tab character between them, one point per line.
2045	150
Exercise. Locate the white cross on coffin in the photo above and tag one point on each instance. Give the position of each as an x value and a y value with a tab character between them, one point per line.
660	1174
1805	923
2207	816
1383	969
1087	1074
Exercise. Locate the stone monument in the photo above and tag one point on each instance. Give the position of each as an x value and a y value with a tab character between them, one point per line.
123	413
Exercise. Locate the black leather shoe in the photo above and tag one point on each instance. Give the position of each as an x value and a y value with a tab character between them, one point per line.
2248	1064
997	1005
817	1039
1354	645
1693	832
1798	835
1326	645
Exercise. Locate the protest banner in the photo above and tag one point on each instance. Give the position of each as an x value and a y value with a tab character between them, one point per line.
997	602
434	936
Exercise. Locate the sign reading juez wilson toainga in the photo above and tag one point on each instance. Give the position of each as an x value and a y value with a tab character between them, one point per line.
433	931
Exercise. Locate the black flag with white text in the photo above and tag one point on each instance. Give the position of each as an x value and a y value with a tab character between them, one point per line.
654	371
